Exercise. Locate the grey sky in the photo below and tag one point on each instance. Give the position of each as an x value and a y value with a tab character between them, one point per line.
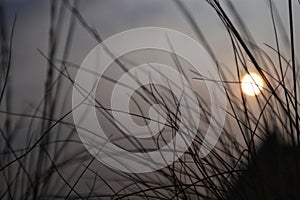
113	16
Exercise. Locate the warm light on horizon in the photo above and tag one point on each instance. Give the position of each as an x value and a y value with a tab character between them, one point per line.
252	84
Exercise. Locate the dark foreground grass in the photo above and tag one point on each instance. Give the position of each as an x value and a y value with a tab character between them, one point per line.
54	164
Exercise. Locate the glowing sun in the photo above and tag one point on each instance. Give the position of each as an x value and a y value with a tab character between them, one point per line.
252	84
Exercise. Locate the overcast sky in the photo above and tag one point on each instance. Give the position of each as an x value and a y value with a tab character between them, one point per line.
113	16
109	17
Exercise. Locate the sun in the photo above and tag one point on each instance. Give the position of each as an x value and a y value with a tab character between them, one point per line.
252	84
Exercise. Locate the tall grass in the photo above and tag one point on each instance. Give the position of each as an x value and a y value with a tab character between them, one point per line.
54	163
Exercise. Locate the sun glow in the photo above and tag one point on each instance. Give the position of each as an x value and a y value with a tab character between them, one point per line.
252	84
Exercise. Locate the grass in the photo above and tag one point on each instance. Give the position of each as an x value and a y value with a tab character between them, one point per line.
54	163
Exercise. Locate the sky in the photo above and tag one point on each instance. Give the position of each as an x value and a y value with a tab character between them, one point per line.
114	16
109	17
29	67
